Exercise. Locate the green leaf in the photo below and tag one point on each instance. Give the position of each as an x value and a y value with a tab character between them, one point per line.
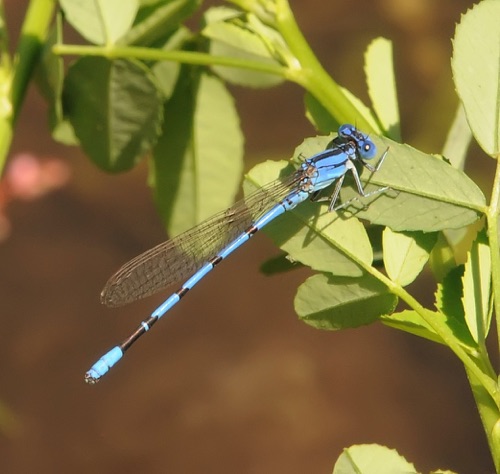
100	21
379	70
476	72
167	72
449	303
444	197
362	111
233	39
449	294
440	204
199	159
328	302
411	322
115	109
318	115
452	248
372	459
226	25
324	122
50	80
450	313
322	240
458	140
156	21
405	254
442	258
313	236
425	192
453	244
476	288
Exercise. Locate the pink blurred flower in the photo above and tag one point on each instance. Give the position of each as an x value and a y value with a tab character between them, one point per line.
28	177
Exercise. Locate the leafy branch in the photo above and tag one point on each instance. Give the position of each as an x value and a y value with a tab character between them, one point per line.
145	84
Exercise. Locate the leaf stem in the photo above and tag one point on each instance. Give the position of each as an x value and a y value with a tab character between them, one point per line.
151	54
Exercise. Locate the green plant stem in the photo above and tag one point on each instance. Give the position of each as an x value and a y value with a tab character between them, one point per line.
480	373
31	40
492	219
489	414
151	54
305	70
33	35
314	78
311	75
474	361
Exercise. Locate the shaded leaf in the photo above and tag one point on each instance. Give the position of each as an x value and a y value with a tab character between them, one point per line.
50	80
328	302
167	72
318	115
449	294
199	159
449	303
278	264
115	109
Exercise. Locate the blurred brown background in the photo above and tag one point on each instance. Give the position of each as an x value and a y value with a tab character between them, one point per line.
231	381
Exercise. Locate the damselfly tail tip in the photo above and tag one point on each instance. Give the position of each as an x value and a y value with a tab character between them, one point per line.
101	367
91	378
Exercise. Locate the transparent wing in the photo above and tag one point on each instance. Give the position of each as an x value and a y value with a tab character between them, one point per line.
180	257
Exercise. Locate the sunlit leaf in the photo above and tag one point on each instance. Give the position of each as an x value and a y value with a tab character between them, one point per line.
372	459
476	72
100	21
379	70
157	21
234	39
476	288
425	193
405	254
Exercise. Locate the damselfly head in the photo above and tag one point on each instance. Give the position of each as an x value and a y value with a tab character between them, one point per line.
365	147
